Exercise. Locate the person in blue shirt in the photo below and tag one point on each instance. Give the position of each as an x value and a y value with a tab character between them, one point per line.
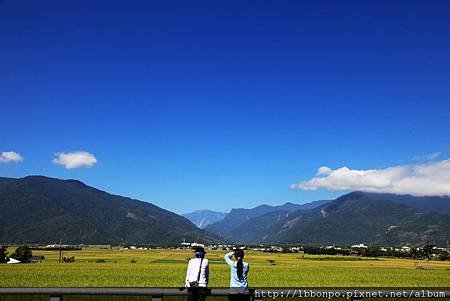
238	280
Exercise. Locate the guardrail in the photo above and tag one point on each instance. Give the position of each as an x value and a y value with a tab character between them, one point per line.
56	294
258	294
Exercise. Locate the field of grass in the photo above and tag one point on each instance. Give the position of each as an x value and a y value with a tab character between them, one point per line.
166	268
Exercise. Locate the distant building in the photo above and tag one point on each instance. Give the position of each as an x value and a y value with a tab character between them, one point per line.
360	246
100	246
196	244
191	244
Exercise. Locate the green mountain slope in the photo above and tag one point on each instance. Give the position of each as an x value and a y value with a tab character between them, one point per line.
38	209
353	218
436	204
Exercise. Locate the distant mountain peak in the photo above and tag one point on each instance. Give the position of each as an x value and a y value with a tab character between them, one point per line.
204	217
239	216
45	178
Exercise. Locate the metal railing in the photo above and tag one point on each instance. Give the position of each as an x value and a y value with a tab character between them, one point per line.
57	294
157	294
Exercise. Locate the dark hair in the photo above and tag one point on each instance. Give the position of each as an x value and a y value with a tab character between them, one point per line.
199	250
239	255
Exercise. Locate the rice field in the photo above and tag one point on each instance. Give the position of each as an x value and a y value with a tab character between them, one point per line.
166	268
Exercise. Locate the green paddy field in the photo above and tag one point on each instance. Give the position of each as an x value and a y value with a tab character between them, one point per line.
166	268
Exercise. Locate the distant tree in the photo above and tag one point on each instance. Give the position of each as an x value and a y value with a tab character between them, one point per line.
22	253
443	255
346	252
428	251
3	254
414	253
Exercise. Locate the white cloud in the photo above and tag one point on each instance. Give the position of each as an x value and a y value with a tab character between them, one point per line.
427	157
11	156
432	178
75	159
324	171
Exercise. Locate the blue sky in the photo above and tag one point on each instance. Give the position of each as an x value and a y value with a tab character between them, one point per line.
209	104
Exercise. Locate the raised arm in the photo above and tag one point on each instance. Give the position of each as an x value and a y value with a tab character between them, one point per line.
228	258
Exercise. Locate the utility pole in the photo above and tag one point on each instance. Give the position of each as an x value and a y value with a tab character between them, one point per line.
60	250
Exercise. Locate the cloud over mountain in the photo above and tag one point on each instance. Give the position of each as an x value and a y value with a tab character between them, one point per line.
432	178
75	159
11	156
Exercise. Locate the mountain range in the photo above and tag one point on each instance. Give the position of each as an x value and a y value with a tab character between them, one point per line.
39	209
239	216
358	217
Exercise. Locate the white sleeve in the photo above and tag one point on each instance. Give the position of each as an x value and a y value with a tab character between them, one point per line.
186	284
207	271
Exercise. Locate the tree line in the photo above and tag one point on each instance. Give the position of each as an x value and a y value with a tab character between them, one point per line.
428	252
22	253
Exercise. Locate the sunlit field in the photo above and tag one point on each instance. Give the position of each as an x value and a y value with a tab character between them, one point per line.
166	268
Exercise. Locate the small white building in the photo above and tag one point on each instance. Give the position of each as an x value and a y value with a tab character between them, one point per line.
192	244
196	244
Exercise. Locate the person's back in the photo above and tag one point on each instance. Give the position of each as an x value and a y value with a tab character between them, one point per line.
194	269
197	275
238	275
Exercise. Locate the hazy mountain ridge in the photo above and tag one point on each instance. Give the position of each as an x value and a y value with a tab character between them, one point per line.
237	217
38	209
205	217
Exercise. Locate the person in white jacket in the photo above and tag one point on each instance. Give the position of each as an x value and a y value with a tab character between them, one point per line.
197	275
